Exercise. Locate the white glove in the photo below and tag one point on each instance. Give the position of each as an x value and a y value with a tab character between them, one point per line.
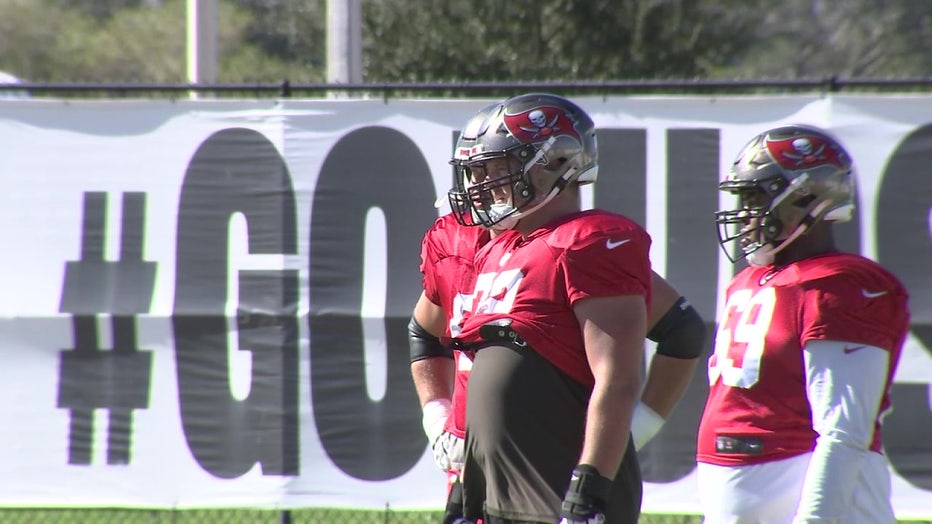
645	423
449	451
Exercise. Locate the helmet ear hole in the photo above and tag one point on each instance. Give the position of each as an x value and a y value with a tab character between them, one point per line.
521	188
771	226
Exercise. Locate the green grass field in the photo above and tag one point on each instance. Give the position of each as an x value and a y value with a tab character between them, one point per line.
251	516
247	516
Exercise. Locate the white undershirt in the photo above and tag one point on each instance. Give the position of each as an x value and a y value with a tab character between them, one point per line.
845	391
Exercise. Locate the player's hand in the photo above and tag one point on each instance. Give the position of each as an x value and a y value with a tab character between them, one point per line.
449	451
584	502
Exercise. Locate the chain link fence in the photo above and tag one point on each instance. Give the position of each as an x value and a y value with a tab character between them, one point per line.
387	90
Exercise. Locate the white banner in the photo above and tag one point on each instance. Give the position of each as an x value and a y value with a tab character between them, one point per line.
204	302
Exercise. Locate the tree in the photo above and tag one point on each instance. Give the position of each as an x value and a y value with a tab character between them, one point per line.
31	32
551	39
292	32
852	38
267	41
102	9
129	42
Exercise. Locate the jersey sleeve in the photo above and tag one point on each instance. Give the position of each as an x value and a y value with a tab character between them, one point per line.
447	265
608	264
851	308
429	259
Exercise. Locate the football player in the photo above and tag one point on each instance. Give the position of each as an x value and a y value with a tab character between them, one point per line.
439	372
806	349
557	317
447	252
556	325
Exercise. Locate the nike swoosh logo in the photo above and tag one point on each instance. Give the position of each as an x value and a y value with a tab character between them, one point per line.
848	349
875	294
612	245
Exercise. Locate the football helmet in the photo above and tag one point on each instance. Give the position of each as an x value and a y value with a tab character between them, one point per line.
477	125
786	179
532	130
462	150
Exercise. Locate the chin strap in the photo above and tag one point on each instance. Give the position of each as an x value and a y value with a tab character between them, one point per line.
511	221
558	185
766	258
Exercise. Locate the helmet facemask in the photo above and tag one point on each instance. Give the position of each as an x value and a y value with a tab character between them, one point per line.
756	226
751	226
495	190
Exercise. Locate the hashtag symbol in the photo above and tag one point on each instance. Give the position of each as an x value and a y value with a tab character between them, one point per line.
94	378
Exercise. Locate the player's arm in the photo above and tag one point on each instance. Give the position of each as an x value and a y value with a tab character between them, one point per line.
613	332
432	364
680	333
845	389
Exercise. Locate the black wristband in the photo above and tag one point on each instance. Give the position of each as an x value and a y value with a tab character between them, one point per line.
588	492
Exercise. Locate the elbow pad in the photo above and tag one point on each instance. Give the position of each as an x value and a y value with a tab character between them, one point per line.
680	333
424	345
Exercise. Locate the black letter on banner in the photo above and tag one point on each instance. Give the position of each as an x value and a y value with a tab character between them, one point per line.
691	267
370	168
904	246
622	173
91	377
237	171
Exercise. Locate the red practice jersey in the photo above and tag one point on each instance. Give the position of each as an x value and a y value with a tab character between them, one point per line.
447	253
535	280
756	373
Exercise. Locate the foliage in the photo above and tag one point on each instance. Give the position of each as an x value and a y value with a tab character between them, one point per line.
292	33
852	38
132	42
500	40
267	41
